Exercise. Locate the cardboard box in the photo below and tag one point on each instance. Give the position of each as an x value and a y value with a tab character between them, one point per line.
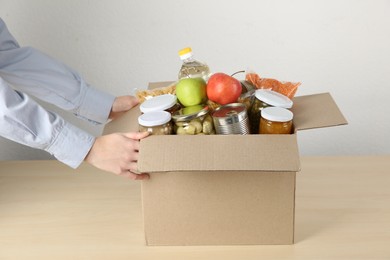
224	189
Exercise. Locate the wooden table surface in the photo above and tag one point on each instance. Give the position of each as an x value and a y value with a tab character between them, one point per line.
49	211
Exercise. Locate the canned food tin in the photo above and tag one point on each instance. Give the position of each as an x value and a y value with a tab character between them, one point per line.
231	119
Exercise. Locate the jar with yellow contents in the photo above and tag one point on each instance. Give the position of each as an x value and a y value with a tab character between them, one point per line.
265	98
276	120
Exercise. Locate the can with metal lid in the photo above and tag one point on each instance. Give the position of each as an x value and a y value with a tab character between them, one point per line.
231	119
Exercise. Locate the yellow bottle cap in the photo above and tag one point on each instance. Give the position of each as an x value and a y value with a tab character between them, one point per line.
185	51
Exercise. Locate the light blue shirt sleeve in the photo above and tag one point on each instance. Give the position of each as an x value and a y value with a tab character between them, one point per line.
24	121
31	72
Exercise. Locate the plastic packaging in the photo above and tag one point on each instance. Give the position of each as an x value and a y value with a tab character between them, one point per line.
143	95
192	68
286	88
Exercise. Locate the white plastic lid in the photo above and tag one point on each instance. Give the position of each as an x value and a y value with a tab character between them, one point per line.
158	103
154	118
277	114
273	98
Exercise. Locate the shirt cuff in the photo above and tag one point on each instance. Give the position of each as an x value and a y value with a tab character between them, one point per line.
96	105
71	145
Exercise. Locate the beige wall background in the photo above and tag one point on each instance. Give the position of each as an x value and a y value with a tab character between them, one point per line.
341	47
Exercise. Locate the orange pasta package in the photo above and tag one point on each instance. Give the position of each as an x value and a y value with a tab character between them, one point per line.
286	88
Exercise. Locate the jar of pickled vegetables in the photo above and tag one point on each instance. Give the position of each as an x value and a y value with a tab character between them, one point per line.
193	120
265	98
166	102
275	120
247	99
155	122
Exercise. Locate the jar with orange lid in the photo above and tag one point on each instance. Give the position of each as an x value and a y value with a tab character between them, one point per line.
275	120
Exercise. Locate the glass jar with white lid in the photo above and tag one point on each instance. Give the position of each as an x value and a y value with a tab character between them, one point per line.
156	123
165	102
276	120
265	98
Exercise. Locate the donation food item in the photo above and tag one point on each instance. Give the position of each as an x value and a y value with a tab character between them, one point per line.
156	123
231	119
192	68
265	98
247	99
212	105
143	95
276	120
193	120
223	89
191	91
165	102
286	88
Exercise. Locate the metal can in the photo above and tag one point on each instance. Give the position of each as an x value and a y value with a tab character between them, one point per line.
231	119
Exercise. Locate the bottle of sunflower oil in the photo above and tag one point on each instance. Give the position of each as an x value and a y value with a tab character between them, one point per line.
192	68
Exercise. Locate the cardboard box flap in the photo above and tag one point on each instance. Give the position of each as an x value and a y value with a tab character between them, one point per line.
219	153
316	111
128	122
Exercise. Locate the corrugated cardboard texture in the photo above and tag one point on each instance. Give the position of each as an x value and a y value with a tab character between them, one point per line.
224	190
316	111
219	208
128	122
219	153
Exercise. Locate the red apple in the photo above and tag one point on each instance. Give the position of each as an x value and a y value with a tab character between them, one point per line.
223	89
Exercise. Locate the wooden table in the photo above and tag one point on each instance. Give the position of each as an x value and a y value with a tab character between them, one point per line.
49	211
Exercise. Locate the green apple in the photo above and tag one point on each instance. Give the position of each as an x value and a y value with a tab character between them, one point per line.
191	91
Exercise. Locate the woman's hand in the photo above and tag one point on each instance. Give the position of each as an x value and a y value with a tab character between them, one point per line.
121	105
117	153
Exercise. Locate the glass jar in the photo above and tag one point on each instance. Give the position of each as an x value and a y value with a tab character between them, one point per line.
156	123
275	120
193	120
247	99
166	102
265	98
